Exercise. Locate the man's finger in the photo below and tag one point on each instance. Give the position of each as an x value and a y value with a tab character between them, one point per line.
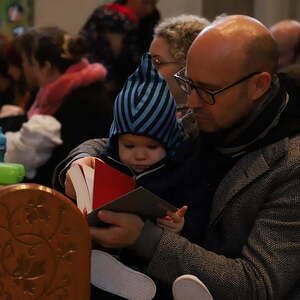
110	217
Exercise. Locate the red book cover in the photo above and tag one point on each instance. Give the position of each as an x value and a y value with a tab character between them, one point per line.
109	184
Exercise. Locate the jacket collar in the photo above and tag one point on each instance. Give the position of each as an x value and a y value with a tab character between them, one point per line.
249	168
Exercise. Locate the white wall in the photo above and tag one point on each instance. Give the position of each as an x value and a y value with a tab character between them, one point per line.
71	14
169	8
68	14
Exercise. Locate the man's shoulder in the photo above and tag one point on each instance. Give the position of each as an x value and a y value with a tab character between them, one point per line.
287	144
286	149
294	146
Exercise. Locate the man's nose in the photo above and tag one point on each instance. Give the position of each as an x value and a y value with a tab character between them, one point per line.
194	100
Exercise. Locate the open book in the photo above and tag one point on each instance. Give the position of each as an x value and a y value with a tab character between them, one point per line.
107	188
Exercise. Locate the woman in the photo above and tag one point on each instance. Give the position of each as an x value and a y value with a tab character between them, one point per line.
6	86
71	89
24	94
172	39
111	32
20	91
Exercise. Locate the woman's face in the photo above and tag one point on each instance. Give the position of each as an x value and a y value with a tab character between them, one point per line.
167	66
40	72
14	72
29	72
45	73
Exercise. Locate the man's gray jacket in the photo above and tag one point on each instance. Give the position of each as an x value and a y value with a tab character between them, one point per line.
252	245
254	232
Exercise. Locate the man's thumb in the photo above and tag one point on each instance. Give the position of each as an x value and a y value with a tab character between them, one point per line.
108	216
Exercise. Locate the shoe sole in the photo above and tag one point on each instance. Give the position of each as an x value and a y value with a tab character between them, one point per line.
191	288
109	274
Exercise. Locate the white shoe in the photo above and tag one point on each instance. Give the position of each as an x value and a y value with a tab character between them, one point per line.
190	287
109	274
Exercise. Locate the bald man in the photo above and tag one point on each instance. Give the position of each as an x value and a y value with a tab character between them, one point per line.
248	152
287	35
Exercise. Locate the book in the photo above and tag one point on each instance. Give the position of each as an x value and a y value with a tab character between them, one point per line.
97	187
109	184
140	202
83	186
107	188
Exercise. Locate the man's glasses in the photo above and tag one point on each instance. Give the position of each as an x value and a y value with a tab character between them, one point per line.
207	96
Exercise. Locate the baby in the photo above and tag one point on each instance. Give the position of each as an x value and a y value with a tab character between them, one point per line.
144	136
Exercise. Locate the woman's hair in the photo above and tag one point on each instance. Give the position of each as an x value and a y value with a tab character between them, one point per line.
13	55
54	45
180	32
4	42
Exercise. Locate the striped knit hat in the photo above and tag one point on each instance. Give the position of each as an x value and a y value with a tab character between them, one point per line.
145	107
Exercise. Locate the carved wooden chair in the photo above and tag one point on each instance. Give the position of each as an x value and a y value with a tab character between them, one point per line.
44	245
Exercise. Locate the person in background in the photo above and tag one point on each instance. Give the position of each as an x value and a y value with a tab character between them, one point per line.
248	151
145	30
6	84
24	93
287	36
171	41
111	33
71	89
22	88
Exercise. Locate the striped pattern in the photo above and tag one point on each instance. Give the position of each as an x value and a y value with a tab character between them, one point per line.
145	107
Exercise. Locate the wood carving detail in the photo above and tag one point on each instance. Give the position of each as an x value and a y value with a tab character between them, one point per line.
37	247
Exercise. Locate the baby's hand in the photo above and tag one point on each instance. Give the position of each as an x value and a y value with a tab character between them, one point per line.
173	221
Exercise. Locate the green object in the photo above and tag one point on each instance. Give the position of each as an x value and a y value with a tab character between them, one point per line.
11	173
15	16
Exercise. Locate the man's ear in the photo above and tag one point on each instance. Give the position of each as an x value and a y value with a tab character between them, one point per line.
259	85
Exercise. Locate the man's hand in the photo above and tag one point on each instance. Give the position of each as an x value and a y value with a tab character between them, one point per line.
88	161
123	232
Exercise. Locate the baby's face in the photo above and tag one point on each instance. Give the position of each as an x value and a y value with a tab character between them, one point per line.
139	152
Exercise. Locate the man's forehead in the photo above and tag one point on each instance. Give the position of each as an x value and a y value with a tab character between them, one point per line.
213	46
213	63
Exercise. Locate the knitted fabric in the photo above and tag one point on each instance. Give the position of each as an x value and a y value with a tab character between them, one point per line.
145	107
